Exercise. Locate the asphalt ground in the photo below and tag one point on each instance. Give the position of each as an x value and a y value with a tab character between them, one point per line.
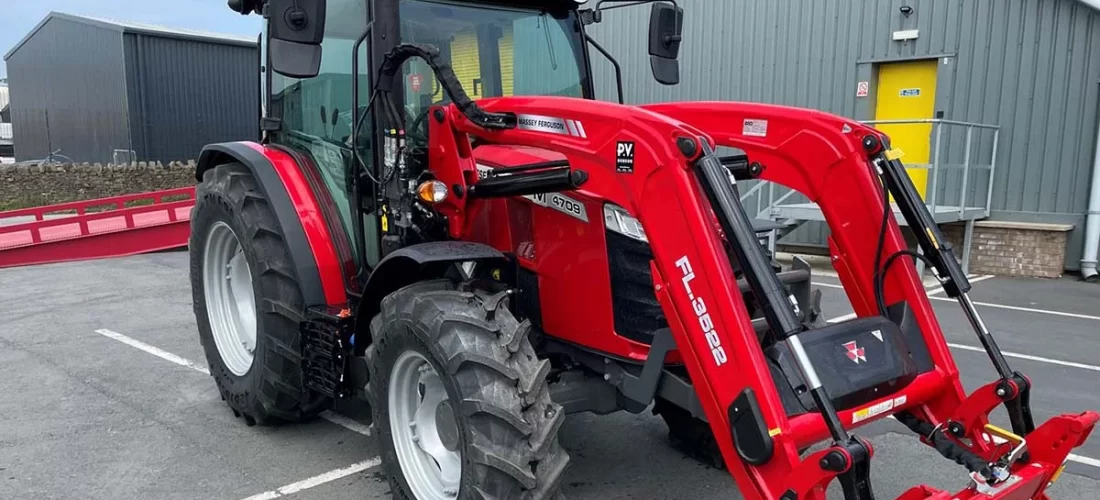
103	395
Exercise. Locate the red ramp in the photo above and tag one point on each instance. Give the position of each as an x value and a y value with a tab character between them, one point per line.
95	229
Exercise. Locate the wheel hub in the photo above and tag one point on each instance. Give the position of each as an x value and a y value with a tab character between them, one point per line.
446	425
230	298
424	428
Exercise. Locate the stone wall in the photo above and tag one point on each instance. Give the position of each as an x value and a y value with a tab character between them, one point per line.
27	185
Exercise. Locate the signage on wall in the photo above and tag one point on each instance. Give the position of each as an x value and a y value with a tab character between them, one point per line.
414	82
913	92
862	88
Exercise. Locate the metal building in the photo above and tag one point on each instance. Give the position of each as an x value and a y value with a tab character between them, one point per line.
100	90
1028	70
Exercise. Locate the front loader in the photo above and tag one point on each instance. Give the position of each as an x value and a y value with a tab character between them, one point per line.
443	222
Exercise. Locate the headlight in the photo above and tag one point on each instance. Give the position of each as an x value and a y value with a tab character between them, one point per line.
617	219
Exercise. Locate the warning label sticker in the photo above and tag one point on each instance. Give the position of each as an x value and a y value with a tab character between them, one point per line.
871	411
914	92
755	128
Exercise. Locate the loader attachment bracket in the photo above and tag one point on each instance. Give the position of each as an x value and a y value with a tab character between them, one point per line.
851	463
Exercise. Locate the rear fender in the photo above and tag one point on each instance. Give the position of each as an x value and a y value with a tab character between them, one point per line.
307	237
409	265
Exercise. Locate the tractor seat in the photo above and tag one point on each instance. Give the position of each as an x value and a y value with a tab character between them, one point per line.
858	361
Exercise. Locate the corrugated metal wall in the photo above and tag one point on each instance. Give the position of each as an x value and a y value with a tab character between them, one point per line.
1030	66
185	94
70	73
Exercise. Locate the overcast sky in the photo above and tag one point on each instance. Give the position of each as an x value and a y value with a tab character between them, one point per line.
18	17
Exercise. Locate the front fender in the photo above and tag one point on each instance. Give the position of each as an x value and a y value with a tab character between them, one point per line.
308	241
408	265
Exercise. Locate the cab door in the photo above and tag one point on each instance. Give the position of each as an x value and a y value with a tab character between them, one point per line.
316	121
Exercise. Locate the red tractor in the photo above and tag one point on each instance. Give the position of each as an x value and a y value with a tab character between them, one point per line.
442	221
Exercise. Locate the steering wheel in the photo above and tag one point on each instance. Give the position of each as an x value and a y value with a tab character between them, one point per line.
412	132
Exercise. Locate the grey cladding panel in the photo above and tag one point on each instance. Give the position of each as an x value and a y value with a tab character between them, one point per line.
70	74
187	93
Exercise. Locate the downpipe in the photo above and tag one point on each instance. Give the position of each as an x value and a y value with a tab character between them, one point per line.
1092	219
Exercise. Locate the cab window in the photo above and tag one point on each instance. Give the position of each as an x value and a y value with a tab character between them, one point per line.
494	51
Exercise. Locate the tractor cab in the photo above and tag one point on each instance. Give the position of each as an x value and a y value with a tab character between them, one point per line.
318	55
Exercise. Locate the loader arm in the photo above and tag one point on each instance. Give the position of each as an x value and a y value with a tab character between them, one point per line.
665	196
698	230
818	154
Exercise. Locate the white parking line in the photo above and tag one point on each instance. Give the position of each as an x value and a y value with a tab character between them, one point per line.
973	279
977	303
1071	364
838	319
289	489
317	480
1084	460
346	423
340	420
1026	309
155	351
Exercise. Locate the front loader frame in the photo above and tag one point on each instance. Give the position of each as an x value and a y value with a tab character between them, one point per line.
820	155
687	203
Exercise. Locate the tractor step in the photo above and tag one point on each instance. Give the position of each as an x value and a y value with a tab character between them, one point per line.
326	335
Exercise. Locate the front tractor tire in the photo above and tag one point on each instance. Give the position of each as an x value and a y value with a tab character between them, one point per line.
461	405
247	300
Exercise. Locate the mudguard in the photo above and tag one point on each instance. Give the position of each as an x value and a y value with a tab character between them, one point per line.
415	263
295	206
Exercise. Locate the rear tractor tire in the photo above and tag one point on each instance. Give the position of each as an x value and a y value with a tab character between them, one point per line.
461	405
247	300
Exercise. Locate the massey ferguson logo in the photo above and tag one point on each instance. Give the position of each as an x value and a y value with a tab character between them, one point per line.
855	352
701	313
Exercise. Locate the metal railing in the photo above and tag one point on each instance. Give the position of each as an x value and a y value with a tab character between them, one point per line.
944	158
961	168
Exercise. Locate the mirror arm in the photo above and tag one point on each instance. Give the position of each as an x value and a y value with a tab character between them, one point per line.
618	69
623	3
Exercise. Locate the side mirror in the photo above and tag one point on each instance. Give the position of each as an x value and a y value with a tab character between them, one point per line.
665	24
296	28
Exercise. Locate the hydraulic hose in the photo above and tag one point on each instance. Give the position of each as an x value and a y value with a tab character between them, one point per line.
391	64
943	444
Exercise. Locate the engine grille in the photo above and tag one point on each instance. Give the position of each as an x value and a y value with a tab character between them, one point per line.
637	313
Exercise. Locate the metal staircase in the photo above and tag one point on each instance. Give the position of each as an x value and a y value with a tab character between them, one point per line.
962	163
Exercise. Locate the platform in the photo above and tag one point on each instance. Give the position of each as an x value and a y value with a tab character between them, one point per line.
107	227
943	214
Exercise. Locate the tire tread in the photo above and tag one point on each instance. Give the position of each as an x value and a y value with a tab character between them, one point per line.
281	397
513	425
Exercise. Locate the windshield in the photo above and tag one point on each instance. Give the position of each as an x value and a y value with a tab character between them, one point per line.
494	51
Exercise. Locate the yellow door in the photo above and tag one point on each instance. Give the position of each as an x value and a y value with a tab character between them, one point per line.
466	62
907	91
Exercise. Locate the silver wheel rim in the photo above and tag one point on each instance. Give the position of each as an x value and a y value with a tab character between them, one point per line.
419	410
230	300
